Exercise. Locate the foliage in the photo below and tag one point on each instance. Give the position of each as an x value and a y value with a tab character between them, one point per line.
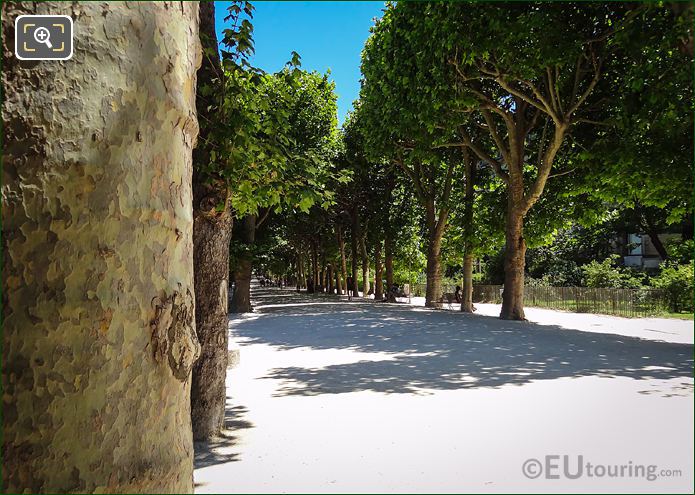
279	160
607	274
677	282
680	251
644	156
274	133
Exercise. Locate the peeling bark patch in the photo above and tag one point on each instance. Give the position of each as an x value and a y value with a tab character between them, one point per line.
173	334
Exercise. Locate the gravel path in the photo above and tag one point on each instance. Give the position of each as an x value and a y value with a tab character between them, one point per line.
331	396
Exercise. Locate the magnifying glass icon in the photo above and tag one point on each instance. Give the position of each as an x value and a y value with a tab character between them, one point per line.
43	35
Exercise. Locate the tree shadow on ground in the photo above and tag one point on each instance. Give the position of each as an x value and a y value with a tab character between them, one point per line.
420	349
218	450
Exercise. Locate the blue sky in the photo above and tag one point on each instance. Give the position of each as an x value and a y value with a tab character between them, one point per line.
327	35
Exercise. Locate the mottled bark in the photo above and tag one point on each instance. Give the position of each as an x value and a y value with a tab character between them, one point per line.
241	299
212	229
378	273
98	307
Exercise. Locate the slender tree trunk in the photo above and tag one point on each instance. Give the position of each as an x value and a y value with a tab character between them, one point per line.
338	282
299	268
97	286
365	266
343	264
658	245
514	260
241	299
354	238
208	390
388	262
378	273
687	230
324	272
435	231
467	295
212	230
331	287
469	177
314	266
433	291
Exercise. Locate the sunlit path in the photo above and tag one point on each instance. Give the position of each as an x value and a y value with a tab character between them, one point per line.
332	396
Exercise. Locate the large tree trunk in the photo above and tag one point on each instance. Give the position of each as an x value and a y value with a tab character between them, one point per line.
365	266
212	230
343	264
388	263
378	274
98	307
514	260
241	299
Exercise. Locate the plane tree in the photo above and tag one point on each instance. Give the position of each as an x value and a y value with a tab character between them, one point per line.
394	131
286	162
528	75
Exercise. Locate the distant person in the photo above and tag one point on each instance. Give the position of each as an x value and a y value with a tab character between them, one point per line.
350	287
458	294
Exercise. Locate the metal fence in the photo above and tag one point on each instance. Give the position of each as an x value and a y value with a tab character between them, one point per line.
620	302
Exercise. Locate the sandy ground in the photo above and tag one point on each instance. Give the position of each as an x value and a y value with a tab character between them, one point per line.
331	396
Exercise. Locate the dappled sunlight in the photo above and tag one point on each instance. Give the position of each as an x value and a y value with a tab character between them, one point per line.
399	349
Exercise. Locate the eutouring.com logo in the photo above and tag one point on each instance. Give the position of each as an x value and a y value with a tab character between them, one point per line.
554	467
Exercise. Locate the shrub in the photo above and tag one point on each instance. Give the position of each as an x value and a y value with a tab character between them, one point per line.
606	274
677	283
680	251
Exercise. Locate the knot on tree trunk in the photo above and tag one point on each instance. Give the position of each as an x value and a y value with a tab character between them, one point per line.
211	200
173	334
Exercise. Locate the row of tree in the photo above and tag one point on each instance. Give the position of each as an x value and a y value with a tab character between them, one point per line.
522	120
117	258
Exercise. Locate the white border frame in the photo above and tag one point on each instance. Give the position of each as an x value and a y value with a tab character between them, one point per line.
72	34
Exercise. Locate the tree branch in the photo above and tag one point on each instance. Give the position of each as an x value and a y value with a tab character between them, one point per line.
264	217
492	129
496	165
